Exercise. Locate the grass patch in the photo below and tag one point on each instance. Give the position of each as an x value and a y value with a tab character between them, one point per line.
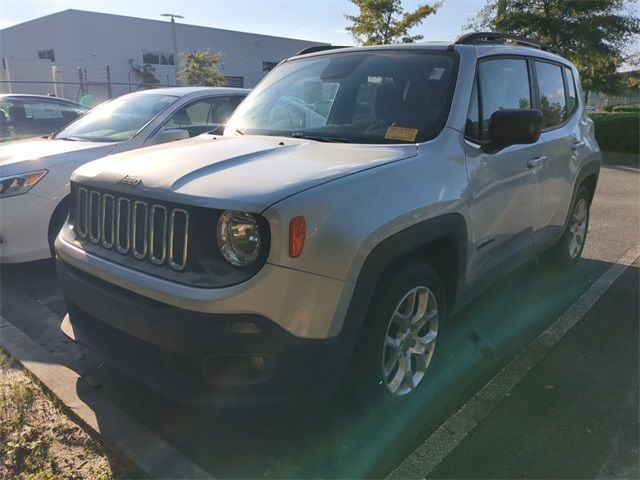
38	442
618	131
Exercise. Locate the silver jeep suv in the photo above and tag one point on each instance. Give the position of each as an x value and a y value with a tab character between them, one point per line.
357	198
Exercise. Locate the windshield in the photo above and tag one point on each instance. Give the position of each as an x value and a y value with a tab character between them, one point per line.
380	96
117	120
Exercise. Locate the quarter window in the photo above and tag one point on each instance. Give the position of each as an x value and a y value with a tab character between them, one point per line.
553	101
572	95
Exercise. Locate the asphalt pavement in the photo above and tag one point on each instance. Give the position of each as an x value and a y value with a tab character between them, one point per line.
564	419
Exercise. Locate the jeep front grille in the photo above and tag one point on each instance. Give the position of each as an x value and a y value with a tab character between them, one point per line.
136	228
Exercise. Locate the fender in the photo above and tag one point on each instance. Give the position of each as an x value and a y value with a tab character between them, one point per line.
400	245
590	168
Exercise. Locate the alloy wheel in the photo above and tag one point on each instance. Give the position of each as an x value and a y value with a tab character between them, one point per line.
409	341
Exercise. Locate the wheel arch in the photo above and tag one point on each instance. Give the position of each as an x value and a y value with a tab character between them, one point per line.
58	217
588	177
438	241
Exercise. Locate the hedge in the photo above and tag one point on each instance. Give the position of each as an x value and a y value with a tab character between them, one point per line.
626	108
618	131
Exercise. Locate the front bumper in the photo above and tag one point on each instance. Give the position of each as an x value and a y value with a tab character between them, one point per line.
196	357
24	225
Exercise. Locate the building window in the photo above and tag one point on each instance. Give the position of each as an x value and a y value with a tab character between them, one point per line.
47	54
237	82
157	58
268	66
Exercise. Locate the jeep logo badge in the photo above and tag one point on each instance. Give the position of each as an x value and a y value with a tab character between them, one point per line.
131	181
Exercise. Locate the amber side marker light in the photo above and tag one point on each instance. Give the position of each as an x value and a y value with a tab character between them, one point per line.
297	234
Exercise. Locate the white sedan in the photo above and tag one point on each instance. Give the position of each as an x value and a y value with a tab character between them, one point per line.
34	173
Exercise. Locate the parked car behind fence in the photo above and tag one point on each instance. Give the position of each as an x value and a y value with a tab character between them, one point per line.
24	116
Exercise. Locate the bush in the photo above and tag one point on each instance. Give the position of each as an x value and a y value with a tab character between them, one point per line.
618	131
626	108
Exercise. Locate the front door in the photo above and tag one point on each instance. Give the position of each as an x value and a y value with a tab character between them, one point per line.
504	188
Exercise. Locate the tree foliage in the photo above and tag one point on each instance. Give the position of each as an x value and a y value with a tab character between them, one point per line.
381	22
593	34
148	74
200	69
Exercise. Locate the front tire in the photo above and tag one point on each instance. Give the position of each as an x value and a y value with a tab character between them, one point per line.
398	339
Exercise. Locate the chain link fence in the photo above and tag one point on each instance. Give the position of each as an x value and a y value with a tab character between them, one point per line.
89	93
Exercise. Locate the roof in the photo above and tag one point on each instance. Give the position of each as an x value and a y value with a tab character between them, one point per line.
482	49
195	91
48	98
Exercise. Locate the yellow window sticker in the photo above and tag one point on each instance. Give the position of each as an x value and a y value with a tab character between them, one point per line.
401	133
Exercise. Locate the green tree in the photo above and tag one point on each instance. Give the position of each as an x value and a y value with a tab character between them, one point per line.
200	68
593	34
381	22
148	74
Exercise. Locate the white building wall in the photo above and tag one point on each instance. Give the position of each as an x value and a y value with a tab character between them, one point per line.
93	40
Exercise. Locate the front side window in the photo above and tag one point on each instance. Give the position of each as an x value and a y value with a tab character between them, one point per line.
504	84
553	102
201	117
117	120
380	96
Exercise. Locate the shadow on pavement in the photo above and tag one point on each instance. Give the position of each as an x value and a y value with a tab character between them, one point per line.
336	440
339	441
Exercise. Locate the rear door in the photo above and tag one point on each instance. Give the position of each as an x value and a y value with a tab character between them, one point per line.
558	100
504	188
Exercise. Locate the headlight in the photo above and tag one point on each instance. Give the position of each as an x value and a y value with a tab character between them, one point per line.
238	238
19	184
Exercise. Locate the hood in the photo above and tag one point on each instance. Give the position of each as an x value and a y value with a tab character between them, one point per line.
37	153
244	173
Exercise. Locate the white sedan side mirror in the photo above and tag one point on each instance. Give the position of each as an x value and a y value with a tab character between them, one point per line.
171	135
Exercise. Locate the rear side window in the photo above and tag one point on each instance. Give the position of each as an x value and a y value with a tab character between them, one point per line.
572	94
553	101
501	83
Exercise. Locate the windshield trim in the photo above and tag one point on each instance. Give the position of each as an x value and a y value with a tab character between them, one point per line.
54	136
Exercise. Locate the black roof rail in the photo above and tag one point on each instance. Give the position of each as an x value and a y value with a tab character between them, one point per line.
318	48
479	38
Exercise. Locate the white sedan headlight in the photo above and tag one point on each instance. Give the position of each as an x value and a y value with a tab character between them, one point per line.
20	183
239	238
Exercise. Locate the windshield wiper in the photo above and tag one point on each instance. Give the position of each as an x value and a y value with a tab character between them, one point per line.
320	138
68	139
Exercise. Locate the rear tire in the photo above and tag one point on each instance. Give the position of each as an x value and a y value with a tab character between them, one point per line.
398	337
567	251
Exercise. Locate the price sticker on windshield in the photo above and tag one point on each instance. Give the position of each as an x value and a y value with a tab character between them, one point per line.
401	133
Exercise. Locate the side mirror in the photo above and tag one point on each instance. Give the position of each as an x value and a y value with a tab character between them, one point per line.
171	135
513	127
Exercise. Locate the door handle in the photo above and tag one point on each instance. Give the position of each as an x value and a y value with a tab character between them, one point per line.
577	145
536	162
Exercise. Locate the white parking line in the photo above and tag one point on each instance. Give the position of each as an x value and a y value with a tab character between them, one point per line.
428	456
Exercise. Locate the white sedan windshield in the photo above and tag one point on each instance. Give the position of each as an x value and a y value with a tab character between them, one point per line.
117	120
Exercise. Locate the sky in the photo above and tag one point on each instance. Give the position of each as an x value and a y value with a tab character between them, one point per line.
318	20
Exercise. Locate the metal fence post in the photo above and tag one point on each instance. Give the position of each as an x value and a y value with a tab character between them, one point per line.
109	91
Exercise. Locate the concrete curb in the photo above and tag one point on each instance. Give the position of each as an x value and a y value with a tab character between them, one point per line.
124	435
